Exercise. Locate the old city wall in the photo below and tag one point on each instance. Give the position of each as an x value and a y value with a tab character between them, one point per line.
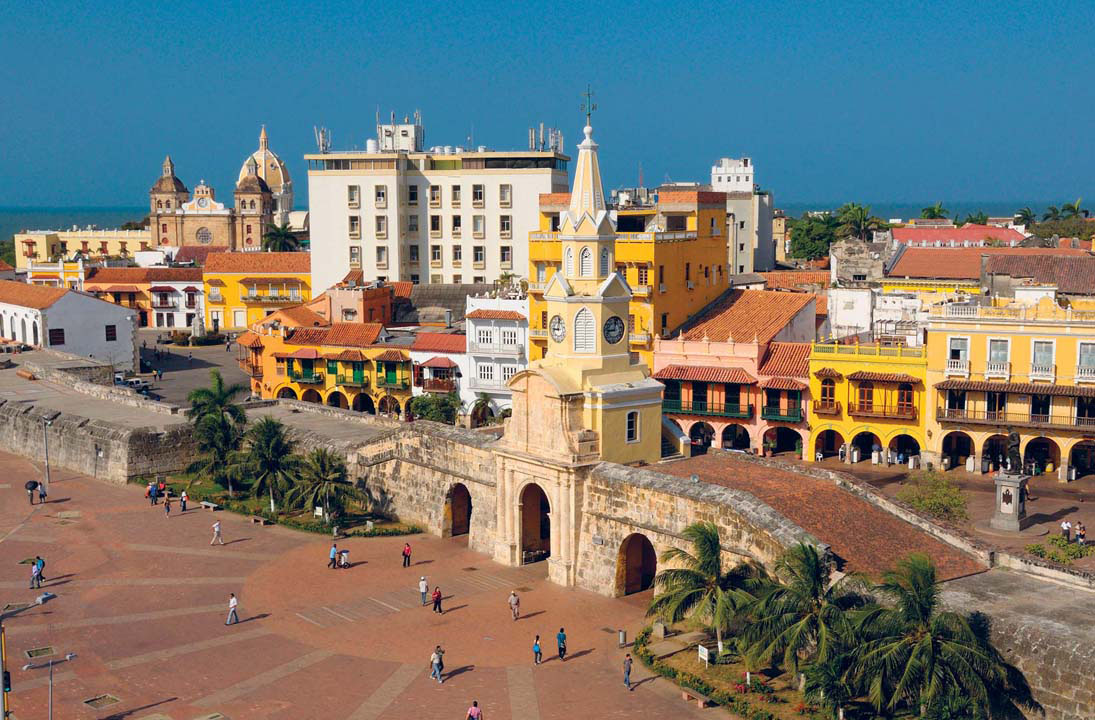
621	501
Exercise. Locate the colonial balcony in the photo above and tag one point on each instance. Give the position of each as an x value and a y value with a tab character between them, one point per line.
1043	372
444	385
483	384
307	377
270	299
165	304
826	407
702	407
392	384
639	338
642	291
352	381
538	333
1085	373
1017	418
775	414
998	370
537	287
251	367
960	368
495	348
896	412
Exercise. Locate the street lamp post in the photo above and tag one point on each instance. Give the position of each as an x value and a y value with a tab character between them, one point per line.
29	666
45	439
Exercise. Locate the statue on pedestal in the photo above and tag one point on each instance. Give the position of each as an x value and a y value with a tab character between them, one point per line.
1015	460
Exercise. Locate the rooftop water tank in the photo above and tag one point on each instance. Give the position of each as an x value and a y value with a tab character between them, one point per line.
448	149
371	145
481	148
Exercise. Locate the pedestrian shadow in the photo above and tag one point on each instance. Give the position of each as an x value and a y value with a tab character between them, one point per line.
454	609
580	653
423	562
60	577
51	501
254	617
644	681
130	713
353	564
233	542
532	614
459	671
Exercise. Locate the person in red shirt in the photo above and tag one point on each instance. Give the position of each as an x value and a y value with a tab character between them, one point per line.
406	554
437	601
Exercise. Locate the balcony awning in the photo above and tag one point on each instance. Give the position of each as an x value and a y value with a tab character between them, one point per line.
123	288
215	282
269	281
391	356
780	383
735	376
191	288
305	354
162	288
347	356
439	362
828	372
867	376
1018	388
249	339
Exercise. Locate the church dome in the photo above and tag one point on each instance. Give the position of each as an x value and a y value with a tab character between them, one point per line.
252	183
270	167
168	185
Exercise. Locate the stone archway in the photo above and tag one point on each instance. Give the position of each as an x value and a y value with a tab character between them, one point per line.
1041	455
535	515
363	403
903	447
338	400
865	442
995	451
701	435
781	439
735	437
311	396
1082	457
460	509
288	393
388	406
828	443
636	565
957	446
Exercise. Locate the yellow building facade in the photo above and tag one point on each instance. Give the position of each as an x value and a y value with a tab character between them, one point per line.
1008	366
36	250
242	288
868	402
673	255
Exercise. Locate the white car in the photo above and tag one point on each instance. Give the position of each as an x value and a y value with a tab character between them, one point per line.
138	384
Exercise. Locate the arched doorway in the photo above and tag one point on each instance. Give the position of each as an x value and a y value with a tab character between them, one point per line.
338	400
828	443
23	326
957	446
1042	455
288	393
1082	458
34	327
866	443
636	565
460	509
311	396
903	447
735	437
535	525
363	402
782	440
388	406
701	435
995	452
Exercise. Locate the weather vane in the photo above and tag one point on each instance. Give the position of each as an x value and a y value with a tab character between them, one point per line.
588	106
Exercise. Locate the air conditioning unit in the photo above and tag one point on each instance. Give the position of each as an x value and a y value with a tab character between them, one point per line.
691	285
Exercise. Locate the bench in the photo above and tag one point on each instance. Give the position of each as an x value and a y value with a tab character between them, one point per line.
688	695
260	520
208	505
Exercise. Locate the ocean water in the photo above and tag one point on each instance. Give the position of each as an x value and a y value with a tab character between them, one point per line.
906	210
18	219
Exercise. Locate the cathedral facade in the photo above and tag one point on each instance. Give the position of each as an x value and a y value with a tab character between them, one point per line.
263	196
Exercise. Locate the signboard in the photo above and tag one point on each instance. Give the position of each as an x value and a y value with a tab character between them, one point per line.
705	654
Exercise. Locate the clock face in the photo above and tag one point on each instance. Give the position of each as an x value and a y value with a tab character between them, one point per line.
613	330
558	328
202	202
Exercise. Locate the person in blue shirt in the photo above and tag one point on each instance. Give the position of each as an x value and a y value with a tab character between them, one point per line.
334	554
561	640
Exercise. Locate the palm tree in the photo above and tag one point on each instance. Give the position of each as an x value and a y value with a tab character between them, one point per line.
803	616
856	221
323	479
480	410
279	238
217	400
217	439
269	460
699	587
935	212
1073	209
827	685
1026	216
915	654
977	218
1051	213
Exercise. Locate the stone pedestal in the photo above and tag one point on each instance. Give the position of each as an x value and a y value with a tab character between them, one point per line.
1011	501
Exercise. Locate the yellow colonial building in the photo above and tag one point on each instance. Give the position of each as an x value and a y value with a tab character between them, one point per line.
868	402
298	355
672	254
39	250
242	288
1005	365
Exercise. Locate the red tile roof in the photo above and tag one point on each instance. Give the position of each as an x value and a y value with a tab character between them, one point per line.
1020	388
307	336
781	383
305	354
963	263
391	356
1073	275
827	372
354	277
348	334
196	254
792	280
38	297
402	288
296	316
259	262
439	362
440	342
786	360
557	198
703	373
143	275
250	339
483	314
970	232
868	376
747	314
865	537
4	267
347	356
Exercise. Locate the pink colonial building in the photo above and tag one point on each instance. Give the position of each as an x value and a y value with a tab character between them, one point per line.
736	375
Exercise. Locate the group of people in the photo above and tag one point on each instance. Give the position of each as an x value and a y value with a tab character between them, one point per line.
36	569
1081	531
33	485
157	490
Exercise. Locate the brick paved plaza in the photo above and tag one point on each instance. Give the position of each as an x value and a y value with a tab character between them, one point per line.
142	599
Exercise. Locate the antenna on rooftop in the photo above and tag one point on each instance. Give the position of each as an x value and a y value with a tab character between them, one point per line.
323	138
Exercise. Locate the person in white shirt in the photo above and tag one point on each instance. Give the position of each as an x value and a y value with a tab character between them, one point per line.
1066	530
232	604
217	534
423	589
182	500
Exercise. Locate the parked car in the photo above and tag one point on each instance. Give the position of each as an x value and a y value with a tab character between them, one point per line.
138	384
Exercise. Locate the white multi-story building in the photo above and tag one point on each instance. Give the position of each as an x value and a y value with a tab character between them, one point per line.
399	212
497	330
749	215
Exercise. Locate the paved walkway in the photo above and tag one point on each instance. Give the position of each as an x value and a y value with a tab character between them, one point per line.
142	599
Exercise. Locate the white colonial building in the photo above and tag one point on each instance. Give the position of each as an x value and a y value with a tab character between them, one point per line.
400	212
68	321
497	330
749	215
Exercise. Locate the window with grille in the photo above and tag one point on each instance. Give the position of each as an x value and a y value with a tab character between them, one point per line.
57	336
111	333
632	426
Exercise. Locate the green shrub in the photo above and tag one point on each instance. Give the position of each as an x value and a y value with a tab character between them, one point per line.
180	338
1060	550
935	494
210	339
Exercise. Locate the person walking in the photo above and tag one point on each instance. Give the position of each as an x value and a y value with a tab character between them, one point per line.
437	663
423	589
167	507
153	490
514	604
627	671
333	563
31	486
232	605
406	554
1081	533
35	576
217	533
561	641
190	357
437	600
41	563
474	712
1066	530
537	655
41	493
182	500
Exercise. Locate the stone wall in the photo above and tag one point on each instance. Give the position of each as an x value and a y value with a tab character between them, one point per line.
87	381
76	367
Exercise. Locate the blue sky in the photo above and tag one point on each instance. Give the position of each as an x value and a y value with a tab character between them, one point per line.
834	101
